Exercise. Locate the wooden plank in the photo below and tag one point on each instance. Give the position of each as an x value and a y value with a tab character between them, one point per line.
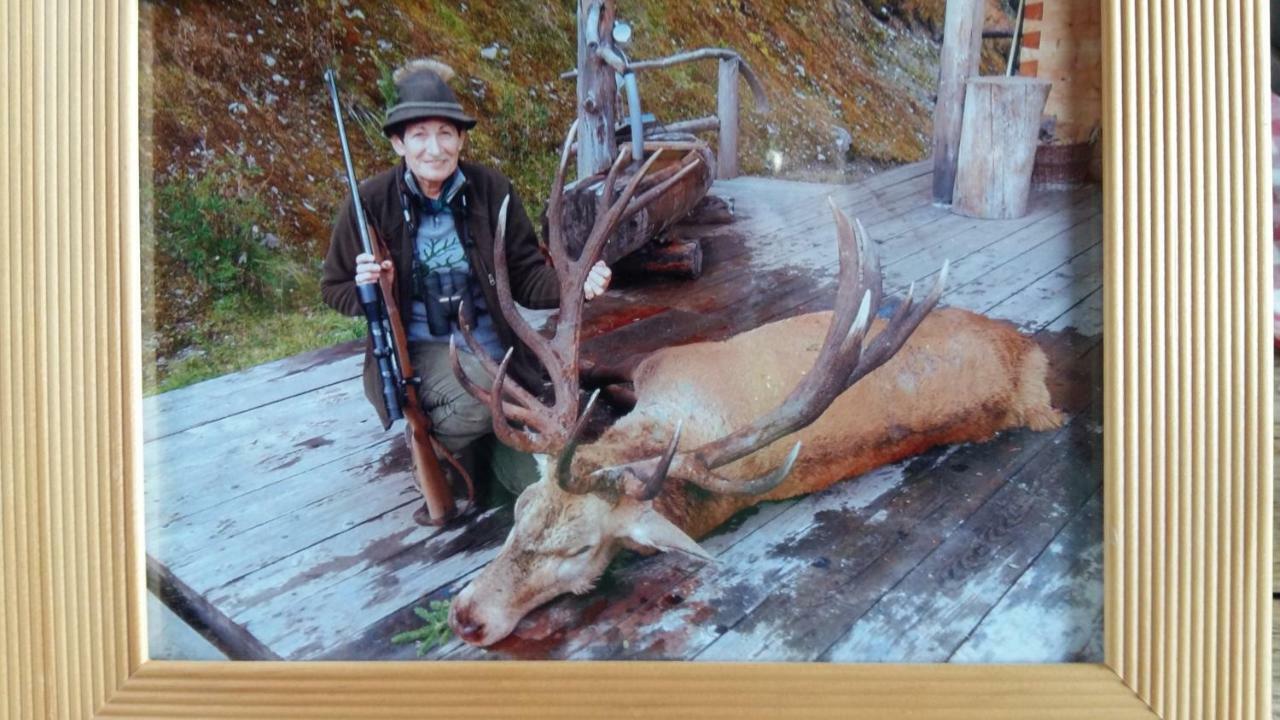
999	283
1055	602
220	461
1085	317
207	532
772	217
849	560
973	259
178	410
1053	294
930	612
348	494
915	252
386	566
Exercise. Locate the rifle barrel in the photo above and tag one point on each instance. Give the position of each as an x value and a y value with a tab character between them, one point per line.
330	78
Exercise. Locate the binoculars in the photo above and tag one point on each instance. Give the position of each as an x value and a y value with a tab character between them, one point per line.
443	292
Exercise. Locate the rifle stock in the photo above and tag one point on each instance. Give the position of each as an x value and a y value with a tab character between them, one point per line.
426	466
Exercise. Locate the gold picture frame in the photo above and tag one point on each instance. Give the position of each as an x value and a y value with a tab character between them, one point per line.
1187	449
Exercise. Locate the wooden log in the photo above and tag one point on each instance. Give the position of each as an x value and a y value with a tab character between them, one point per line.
713	210
998	146
961	50
697	125
579	210
679	258
727	111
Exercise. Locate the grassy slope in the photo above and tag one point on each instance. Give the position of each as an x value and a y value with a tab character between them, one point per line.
242	81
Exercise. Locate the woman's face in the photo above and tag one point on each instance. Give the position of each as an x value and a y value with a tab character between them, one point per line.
430	148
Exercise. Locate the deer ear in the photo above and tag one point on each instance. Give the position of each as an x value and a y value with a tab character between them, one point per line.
650	531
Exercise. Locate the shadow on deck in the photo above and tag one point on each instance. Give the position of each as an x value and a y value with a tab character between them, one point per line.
279	511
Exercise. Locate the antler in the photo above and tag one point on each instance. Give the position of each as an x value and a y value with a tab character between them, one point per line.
842	361
550	428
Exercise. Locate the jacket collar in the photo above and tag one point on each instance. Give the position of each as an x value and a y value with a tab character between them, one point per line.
409	187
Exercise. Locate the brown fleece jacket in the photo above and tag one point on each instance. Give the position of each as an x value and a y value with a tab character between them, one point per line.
475	212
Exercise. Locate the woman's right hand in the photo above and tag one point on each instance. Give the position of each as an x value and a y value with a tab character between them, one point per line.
367	271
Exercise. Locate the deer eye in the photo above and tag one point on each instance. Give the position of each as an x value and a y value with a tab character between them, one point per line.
578	551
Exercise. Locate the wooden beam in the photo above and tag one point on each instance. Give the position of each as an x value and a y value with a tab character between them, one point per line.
727	111
596	88
961	49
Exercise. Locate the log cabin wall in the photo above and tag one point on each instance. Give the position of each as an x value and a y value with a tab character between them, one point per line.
1062	43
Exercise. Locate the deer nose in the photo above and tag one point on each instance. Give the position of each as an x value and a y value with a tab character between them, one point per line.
465	626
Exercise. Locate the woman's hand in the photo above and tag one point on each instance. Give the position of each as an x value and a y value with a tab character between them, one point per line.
597	280
367	271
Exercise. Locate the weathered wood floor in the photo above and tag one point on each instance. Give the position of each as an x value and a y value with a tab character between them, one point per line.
279	512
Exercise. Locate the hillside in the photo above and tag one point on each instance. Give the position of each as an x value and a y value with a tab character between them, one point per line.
246	173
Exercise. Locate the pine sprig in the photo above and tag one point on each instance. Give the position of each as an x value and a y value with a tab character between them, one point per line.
434	631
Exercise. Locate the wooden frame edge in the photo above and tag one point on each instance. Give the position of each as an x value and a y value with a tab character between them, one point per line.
1188	255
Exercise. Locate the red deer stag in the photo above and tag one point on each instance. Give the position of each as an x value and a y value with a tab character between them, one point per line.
719	426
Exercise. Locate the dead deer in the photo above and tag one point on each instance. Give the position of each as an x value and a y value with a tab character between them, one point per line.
783	410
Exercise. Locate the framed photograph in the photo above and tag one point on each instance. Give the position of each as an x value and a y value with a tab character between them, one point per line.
108	494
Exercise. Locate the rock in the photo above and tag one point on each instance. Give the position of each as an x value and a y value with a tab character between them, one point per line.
490	52
356	14
237	108
269	59
270	241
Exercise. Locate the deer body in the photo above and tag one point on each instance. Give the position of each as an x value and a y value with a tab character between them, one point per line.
961	377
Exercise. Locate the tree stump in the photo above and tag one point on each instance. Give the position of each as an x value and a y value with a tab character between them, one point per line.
998	145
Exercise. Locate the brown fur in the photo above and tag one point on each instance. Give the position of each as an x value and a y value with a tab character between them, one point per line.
960	378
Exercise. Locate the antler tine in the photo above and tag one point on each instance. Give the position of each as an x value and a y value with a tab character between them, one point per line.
715	483
564	461
652	193
649	489
895	334
606	196
515	412
521	440
856	256
626	478
555	234
516	392
507	303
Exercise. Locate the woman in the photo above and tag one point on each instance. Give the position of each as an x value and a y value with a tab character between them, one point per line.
437	216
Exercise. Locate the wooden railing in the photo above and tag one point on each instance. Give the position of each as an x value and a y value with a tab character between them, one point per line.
726	120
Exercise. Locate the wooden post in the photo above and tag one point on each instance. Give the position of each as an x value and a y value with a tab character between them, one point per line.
596	90
727	112
961	49
998	145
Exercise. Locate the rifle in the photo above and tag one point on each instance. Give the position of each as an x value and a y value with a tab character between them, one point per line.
391	348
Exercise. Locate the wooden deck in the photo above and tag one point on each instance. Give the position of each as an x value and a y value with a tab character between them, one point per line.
279	512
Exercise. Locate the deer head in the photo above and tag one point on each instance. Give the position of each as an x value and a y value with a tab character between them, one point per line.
576	518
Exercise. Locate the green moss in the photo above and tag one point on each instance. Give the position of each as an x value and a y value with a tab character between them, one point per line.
236	340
